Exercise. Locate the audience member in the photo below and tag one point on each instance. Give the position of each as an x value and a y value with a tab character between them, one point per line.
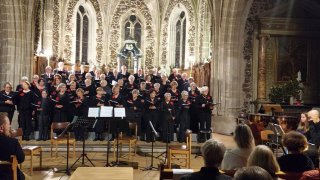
313	136
252	173
212	152
237	157
9	146
295	161
263	157
303	126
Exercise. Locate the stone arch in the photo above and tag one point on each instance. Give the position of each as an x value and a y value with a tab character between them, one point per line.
191	30
69	28
121	9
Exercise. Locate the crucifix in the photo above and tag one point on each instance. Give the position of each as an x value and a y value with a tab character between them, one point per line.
131	29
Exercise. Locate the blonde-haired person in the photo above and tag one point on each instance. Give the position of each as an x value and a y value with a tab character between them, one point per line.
263	157
237	157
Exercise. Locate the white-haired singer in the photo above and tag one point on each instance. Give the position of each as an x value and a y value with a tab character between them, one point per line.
205	106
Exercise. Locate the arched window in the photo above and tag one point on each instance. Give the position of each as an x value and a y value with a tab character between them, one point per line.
180	41
133	29
82	35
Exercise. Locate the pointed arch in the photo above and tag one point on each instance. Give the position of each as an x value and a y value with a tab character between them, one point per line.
94	35
190	27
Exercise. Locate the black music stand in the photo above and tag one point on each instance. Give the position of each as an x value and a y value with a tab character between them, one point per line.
154	132
276	138
85	123
118	125
66	131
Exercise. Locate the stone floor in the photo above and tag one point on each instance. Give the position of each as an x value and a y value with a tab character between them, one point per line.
97	153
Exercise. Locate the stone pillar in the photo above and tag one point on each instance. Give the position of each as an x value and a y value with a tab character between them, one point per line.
48	27
263	38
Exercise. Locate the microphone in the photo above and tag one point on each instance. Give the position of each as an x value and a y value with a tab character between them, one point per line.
154	131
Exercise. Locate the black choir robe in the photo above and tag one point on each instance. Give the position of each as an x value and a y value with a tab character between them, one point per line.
8	108
134	109
151	114
61	114
167	115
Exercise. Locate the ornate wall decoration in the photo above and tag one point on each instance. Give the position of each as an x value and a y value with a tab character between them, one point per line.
149	44
191	30
202	18
37	16
68	30
258	6
55	30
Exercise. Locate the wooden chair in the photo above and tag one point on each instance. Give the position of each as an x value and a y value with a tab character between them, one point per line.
8	169
130	140
55	141
181	151
28	150
265	136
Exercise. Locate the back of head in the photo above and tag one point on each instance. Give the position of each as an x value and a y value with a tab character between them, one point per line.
252	173
243	136
212	152
295	142
262	156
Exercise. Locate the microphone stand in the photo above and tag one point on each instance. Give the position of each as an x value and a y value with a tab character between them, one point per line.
154	132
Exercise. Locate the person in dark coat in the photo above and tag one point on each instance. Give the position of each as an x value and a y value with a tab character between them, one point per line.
117	101
139	76
129	86
81	107
124	74
48	77
97	101
204	103
212	153
8	100
164	84
61	104
152	106
194	122
9	146
167	118
89	89
26	99
183	116
134	108
44	108
295	160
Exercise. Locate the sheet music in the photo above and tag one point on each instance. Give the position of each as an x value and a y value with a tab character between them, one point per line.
94	112
106	111
119	112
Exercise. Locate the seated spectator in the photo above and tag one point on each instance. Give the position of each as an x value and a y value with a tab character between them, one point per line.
263	157
212	153
252	173
303	126
237	157
313	136
295	161
9	146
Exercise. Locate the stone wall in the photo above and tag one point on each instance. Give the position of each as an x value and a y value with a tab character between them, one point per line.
16	39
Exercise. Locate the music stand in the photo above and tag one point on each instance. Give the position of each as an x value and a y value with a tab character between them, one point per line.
107	112
154	132
65	131
119	125
85	123
278	133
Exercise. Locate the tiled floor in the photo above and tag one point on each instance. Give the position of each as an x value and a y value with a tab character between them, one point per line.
97	154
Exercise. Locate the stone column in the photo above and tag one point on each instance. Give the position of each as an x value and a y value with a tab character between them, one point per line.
263	38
